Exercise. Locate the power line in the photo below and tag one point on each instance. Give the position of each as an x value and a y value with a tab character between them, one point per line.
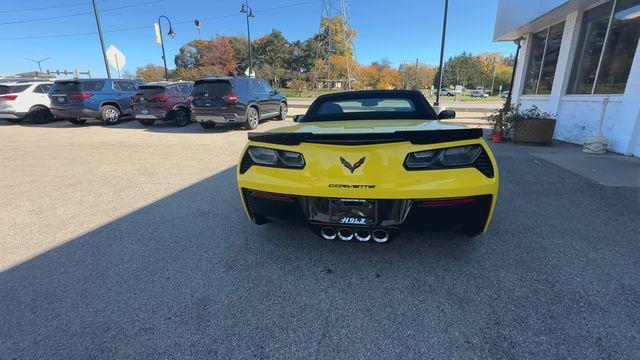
146	27
78	14
47	7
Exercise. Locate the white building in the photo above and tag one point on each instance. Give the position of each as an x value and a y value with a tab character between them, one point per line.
573	54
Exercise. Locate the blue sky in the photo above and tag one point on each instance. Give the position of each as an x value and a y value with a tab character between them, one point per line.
399	30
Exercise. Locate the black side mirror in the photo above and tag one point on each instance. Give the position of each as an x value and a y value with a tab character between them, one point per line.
447	114
297	118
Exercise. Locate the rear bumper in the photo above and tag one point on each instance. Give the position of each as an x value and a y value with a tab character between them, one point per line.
75	113
152	113
12	115
469	214
218	116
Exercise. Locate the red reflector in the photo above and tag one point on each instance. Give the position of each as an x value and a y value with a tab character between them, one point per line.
272	196
159	98
444	202
231	98
80	96
9	97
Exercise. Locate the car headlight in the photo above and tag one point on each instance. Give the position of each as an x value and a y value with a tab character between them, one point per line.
276	158
458	156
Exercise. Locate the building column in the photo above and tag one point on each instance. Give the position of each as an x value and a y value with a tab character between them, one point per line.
631	107
518	82
565	59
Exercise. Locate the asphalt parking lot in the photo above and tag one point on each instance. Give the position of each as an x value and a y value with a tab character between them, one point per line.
126	242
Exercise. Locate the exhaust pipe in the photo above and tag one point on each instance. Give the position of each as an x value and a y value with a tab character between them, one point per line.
362	235
380	235
328	233
345	234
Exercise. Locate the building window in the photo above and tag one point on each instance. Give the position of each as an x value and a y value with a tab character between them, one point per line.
606	48
541	65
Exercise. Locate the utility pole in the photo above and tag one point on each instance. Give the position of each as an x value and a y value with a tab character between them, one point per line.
417	77
38	62
248	12
444	31
104	51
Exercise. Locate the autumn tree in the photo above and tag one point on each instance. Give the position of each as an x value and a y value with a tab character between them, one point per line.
150	73
200	58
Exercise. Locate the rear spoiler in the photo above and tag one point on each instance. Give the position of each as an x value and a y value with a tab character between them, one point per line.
419	137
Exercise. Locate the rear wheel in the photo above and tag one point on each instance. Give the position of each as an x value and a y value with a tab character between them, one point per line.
41	115
181	117
110	115
77	121
146	122
253	118
208	125
283	111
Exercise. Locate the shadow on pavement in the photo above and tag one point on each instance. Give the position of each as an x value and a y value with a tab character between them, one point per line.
190	277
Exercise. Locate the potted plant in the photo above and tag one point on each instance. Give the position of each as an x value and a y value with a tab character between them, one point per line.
501	122
532	125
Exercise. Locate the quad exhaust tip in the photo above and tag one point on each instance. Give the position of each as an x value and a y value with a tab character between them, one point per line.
380	235
328	233
345	234
362	235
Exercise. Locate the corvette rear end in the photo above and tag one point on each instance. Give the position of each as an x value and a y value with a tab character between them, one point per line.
365	179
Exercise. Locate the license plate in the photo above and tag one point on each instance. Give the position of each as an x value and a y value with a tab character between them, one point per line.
353	211
60	99
216	119
144	111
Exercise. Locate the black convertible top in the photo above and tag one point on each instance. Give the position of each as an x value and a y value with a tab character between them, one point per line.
421	108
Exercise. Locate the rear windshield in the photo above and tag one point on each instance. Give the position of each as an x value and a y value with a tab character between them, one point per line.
75	86
12	89
370	105
212	89
150	90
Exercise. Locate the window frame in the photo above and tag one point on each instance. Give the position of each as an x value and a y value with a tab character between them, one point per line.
544	57
602	52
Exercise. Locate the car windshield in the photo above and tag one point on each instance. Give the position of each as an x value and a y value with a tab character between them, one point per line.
12	89
150	90
212	89
370	105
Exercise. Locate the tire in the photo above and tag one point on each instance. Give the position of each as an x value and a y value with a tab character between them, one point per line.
208	125
77	121
146	122
40	115
283	111
110	115
181	117
253	118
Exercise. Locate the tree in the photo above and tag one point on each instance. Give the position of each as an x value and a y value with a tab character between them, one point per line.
150	73
215	56
421	79
272	54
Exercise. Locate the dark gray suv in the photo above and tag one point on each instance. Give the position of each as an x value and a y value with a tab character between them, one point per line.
235	100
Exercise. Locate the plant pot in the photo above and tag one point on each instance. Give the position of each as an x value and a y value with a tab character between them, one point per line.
535	131
497	138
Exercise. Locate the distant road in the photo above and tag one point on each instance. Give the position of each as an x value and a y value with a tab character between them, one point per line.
459	106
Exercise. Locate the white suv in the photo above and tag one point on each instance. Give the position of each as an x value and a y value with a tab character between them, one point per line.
19	100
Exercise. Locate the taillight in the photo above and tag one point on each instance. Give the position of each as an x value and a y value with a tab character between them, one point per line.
231	98
159	98
8	97
80	96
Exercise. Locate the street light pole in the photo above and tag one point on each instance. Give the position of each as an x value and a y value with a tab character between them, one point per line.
38	62
104	51
248	12
444	31
171	35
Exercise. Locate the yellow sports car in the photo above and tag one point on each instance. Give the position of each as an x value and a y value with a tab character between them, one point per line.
362	165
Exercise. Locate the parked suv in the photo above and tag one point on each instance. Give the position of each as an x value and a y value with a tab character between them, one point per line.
81	99
166	101
235	100
20	100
